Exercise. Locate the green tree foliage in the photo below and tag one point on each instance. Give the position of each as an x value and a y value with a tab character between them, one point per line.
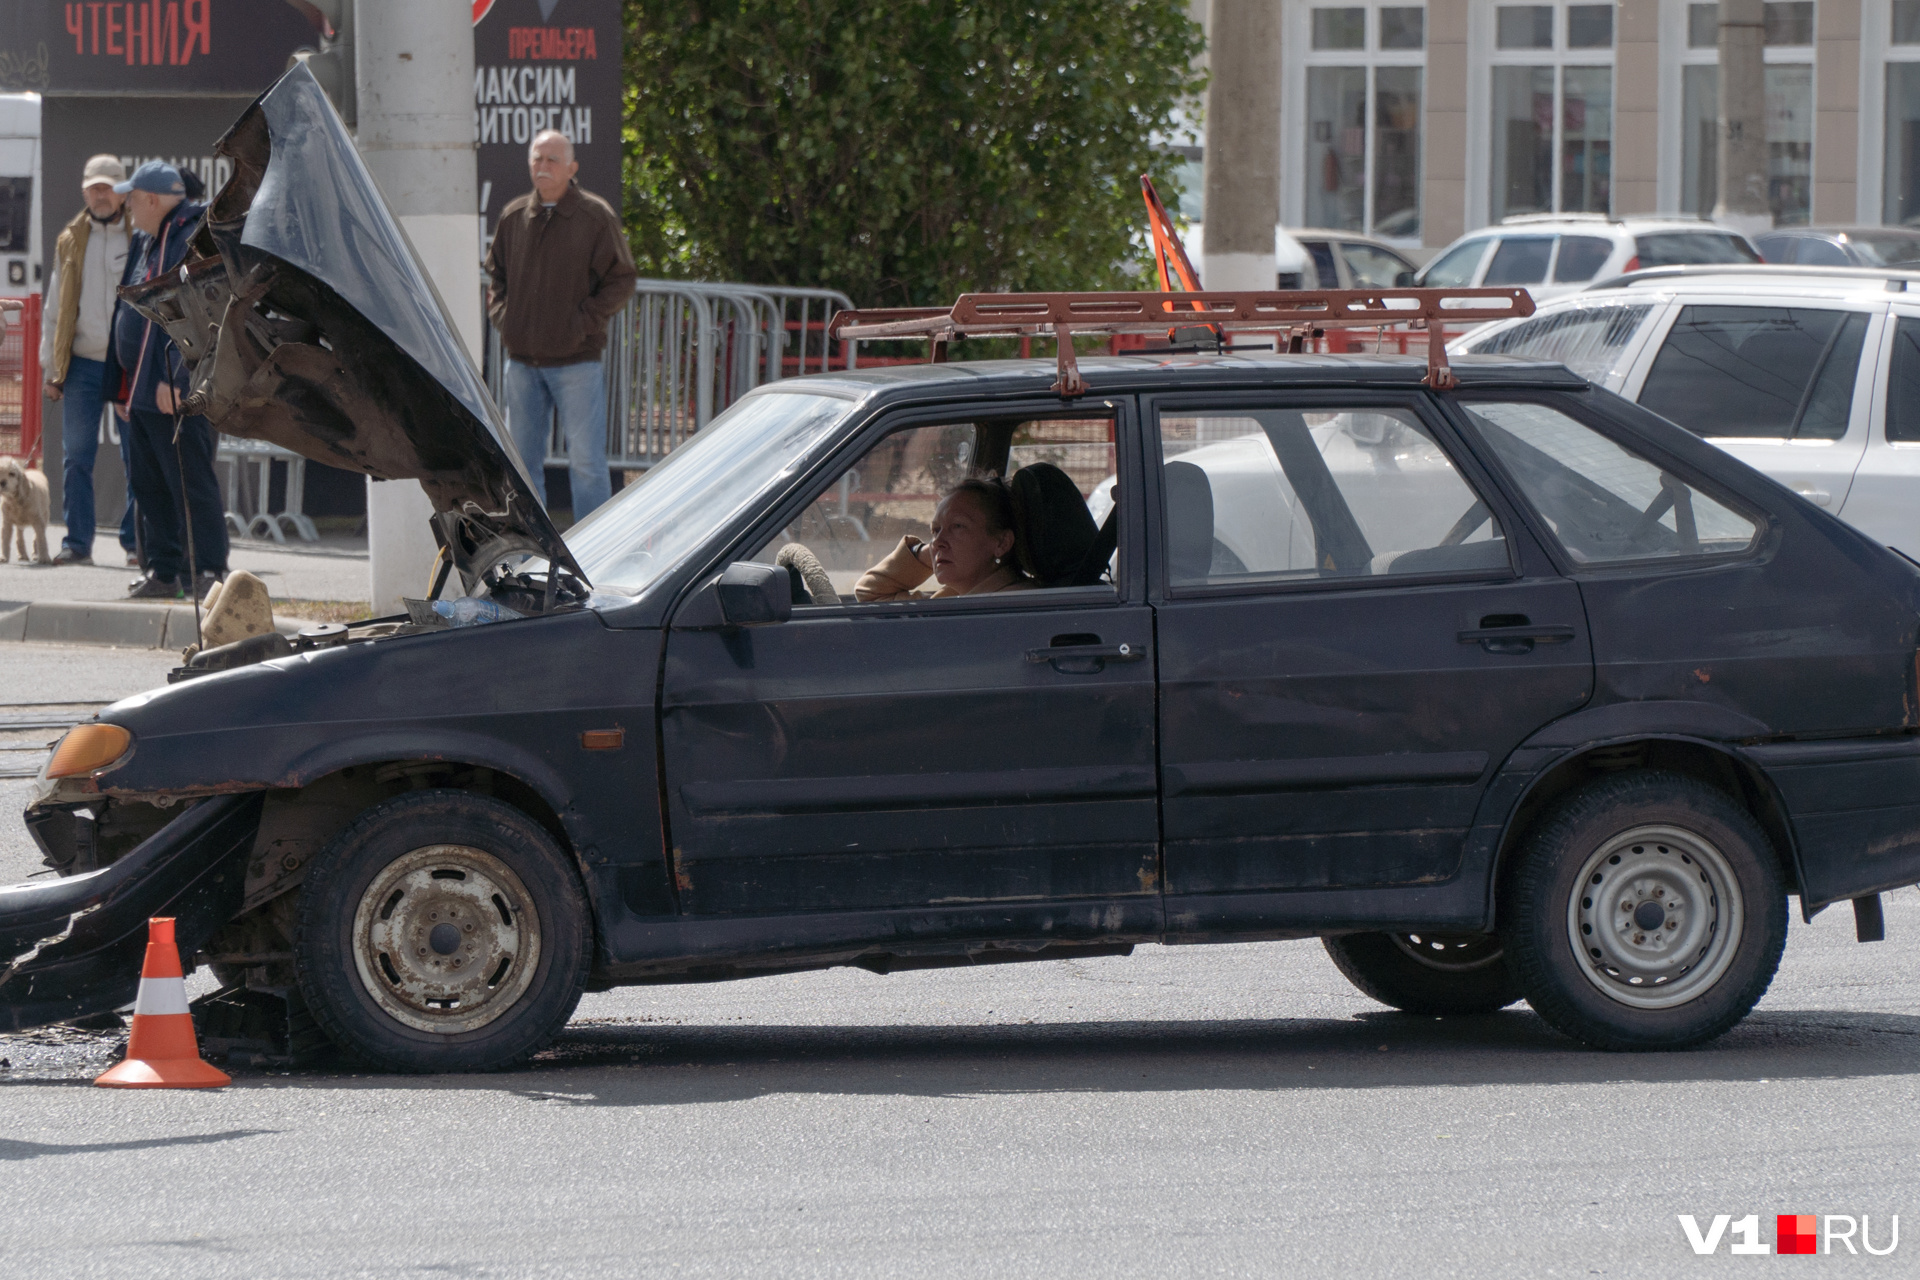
903	151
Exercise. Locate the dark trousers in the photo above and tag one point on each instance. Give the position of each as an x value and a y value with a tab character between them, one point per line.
154	475
79	442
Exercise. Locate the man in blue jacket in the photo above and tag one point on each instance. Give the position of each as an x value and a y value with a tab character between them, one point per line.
148	379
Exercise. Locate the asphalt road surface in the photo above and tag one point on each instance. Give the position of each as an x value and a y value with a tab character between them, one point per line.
1234	1111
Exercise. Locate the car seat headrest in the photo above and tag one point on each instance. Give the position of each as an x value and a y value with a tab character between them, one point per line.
1189	523
1053	530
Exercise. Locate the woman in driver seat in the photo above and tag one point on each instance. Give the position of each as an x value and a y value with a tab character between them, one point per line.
971	554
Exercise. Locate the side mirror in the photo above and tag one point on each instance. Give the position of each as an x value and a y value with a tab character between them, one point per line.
1404	280
752	595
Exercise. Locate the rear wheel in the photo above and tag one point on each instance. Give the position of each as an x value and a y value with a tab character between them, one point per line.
442	931
1458	973
1646	912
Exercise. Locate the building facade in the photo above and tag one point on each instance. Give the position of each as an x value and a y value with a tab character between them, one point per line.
1416	122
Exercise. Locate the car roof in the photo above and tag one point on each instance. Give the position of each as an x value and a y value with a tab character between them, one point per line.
1631	223
1171	371
1763	276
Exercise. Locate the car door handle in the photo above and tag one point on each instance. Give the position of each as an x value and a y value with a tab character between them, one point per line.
1516	639
1818	497
1109	652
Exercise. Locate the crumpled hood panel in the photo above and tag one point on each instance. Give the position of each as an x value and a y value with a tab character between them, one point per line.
306	320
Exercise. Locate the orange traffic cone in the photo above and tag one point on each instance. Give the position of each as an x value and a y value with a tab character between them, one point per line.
162	1052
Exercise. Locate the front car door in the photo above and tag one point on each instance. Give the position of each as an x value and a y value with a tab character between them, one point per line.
1882	502
1354	632
919	770
1783	388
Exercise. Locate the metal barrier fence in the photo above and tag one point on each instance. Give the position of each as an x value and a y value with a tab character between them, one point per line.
20	400
683	351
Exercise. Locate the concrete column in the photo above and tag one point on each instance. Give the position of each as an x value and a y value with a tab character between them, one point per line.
1443	186
414	79
1836	114
1243	144
1743	118
1636	106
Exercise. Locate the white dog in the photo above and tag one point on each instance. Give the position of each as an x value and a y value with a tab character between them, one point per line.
23	503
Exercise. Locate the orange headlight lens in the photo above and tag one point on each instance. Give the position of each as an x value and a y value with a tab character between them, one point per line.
88	748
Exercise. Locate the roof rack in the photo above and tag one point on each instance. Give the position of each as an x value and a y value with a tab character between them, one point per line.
1195	316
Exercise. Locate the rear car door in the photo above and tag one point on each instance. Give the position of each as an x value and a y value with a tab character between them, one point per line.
974	760
1352	638
1781	387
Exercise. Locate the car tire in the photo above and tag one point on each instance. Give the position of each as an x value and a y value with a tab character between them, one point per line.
1436	973
442	931
1646	911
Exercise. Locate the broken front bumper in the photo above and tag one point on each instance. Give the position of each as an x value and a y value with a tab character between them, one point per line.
73	947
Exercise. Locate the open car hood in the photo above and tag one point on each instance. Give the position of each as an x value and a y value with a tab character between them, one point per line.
306	320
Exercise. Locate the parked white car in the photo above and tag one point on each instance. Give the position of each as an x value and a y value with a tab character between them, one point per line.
1553	255
1811	375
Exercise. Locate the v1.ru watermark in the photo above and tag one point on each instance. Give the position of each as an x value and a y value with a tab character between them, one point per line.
1793	1233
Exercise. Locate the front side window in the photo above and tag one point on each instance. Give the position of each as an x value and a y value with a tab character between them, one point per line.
1903	384
1592	340
1260	496
1520	260
1552	110
974	507
1601	501
1364	83
1370	265
1758	372
1456	266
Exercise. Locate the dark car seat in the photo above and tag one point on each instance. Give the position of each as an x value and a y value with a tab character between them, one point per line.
1055	538
1189	523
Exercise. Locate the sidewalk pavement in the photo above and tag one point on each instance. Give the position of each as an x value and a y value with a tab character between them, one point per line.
314	581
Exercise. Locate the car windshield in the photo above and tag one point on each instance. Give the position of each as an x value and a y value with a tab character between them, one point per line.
627	544
1885	248
1691	248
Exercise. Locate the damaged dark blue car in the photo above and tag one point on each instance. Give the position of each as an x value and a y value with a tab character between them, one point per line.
1501	685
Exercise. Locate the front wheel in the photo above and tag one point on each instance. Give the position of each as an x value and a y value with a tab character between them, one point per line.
1647	911
442	931
1442	973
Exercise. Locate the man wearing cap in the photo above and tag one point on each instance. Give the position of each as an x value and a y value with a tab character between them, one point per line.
146	379
88	260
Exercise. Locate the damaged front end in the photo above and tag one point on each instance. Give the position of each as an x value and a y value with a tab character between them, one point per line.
305	319
72	946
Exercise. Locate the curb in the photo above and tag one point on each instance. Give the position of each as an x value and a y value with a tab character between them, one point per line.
126	626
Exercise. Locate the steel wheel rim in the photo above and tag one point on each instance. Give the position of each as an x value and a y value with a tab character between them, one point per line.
1655	917
445	939
1449	952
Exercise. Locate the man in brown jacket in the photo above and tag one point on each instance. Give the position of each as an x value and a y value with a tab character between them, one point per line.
558	270
87	262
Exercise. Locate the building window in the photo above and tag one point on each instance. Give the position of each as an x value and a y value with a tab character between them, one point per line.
1552	110
1900	197
1789	54
1365	76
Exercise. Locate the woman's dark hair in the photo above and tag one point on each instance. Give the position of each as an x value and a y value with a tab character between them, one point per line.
993	497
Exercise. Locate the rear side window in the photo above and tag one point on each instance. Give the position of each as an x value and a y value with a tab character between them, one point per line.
1683	248
1592	340
1271	495
1758	372
1456	267
1581	258
1602	501
1520	260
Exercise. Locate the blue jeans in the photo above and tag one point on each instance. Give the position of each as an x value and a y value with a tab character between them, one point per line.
79	444
579	393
